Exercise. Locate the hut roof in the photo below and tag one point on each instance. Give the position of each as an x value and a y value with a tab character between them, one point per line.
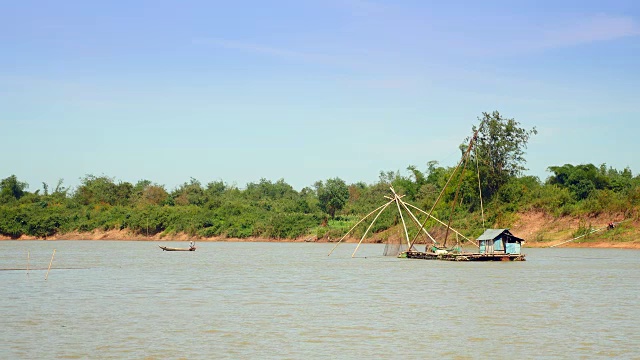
491	234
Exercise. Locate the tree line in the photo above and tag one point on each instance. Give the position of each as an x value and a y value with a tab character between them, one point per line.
268	209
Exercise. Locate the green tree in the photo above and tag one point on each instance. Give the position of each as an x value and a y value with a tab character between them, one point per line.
618	180
147	193
266	189
96	190
332	195
581	180
499	148
216	188
59	194
405	185
124	193
190	193
11	189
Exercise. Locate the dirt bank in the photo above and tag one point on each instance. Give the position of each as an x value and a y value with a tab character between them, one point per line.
538	229
126	235
543	230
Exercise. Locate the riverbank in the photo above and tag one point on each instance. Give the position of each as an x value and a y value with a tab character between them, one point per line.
122	235
541	230
538	229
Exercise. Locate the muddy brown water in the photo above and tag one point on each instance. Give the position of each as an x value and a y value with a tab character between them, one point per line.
128	299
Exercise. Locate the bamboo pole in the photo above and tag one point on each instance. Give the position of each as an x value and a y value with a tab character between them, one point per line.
578	237
589	233
435	203
466	156
50	262
28	255
480	188
358	223
370	225
417	222
473	138
404	225
438	220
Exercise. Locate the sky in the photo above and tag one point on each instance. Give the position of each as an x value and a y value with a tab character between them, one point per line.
238	91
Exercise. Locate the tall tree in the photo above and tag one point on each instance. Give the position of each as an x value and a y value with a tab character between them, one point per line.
581	180
500	148
11	189
190	193
96	190
154	194
332	195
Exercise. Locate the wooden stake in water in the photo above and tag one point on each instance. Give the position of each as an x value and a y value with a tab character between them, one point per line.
27	263
50	262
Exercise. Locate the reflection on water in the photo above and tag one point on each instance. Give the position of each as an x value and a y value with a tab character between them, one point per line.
120	299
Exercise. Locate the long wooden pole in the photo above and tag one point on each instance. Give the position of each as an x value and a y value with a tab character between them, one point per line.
438	220
435	203
28	255
404	225
578	237
589	233
466	156
50	262
417	222
358	223
370	225
480	189
475	134
455	198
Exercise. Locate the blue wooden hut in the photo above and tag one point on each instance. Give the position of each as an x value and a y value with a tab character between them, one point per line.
499	241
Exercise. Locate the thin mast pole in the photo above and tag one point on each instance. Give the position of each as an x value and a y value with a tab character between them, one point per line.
358	223
583	235
370	225
50	262
434	206
473	138
455	198
443	189
438	220
578	237
416	222
480	189
406	232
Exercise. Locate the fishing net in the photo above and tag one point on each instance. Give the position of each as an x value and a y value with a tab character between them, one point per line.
394	246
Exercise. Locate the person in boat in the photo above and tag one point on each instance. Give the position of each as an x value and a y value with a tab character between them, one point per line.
192	245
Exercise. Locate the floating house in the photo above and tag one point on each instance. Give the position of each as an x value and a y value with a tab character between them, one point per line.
494	245
499	241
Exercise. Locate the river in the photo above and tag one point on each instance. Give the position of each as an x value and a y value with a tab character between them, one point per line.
129	299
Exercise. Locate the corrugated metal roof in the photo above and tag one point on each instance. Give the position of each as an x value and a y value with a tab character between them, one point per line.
491	234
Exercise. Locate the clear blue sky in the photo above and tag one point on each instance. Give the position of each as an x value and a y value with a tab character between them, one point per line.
308	90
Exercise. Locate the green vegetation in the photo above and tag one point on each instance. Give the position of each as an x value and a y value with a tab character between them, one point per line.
331	207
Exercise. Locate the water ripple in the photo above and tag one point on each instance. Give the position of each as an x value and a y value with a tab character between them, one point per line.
291	301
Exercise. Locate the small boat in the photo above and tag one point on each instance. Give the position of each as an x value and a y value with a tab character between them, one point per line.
166	248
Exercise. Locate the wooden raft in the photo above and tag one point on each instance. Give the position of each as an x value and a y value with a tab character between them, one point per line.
464	256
